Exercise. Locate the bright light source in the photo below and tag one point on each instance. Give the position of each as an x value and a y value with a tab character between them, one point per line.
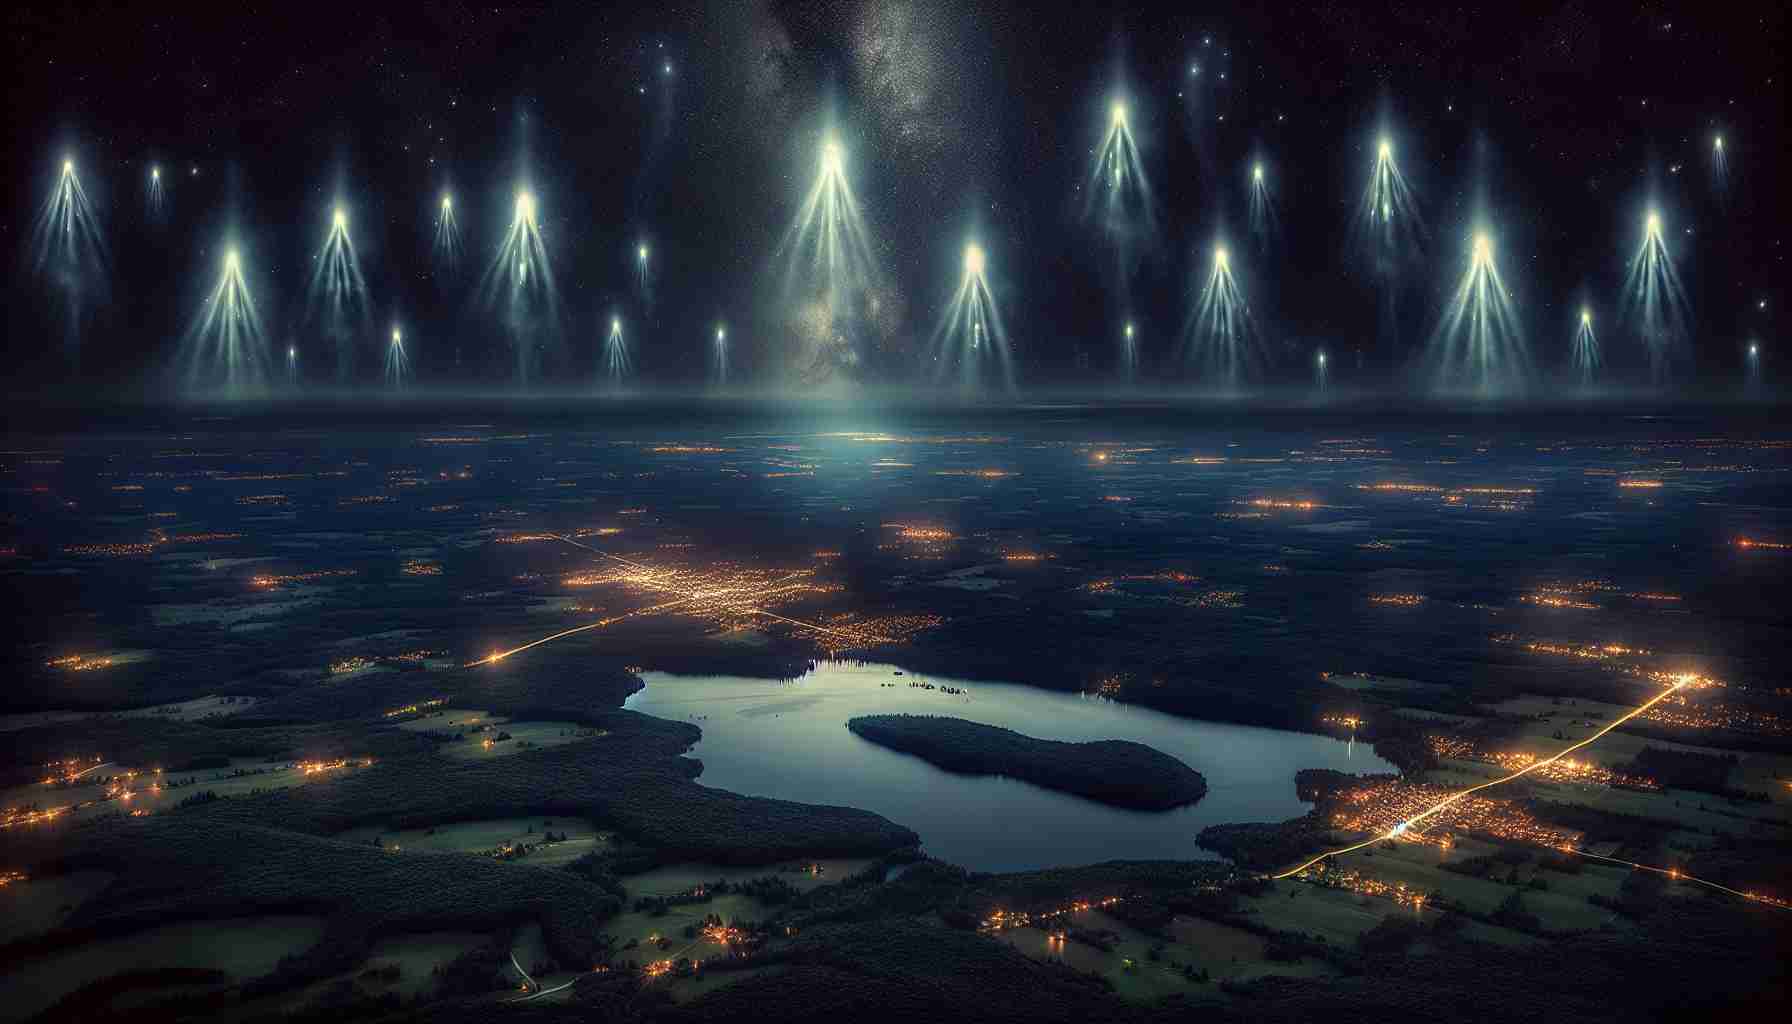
447	201
292	353
1754	349
339	219
641	253
615	325
1129	332
68	167
1257	173
1322	359
155	174
973	260
230	260
1653	223
1586	317
1119	113
1387	150
1483	248
396	337
1219	257
832	162
1718	142
721	334
525	207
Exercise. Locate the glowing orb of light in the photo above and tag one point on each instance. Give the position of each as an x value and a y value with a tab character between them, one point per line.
641	253
1754	349
339	219
1652	224
1322	359
230	260
1400	829
68	167
396	337
525	208
615	325
721	333
1483	249
1129	331
832	161
1119	112
1257	173
1586	317
447	201
973	260
1220	257
292	353
1718	142
155	174
1386	152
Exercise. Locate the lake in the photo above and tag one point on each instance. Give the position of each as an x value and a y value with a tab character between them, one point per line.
789	740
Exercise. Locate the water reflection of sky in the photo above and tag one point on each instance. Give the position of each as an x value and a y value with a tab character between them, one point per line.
789	740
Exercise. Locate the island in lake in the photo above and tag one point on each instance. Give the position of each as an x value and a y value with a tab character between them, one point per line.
1116	772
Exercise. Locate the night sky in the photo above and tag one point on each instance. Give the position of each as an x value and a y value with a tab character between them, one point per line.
1562	122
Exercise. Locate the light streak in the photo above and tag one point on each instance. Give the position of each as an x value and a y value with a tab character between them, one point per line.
719	359
1117	192
1431	811
831	279
1680	876
447	248
970	333
398	364
617	361
338	294
1129	353
1477	345
1219	340
1263	208
68	250
518	288
226	350
1584	356
157	195
1654	302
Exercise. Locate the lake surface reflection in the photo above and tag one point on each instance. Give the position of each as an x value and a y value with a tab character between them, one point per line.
789	740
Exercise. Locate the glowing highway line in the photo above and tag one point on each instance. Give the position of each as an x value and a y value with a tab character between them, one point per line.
497	656
1676	874
1400	829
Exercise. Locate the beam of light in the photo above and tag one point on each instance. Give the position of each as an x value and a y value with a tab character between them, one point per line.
292	367
719	358
1584	357
1752	367
617	362
1403	827
518	289
1387	222
68	252
337	299
710	594
1129	353
1720	167
1117	196
157	195
1263	209
970	337
447	248
1653	302
644	280
1477	346
1321	372
398	363
832	284
1220	342
225	350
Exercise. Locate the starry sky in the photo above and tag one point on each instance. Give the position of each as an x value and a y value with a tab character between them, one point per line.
695	127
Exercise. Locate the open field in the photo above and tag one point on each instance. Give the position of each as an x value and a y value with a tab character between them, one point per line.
490	836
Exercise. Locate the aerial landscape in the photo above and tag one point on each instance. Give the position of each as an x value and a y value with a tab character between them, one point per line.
790	512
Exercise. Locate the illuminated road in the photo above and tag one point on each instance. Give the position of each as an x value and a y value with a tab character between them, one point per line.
856	636
1680	876
1403	827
